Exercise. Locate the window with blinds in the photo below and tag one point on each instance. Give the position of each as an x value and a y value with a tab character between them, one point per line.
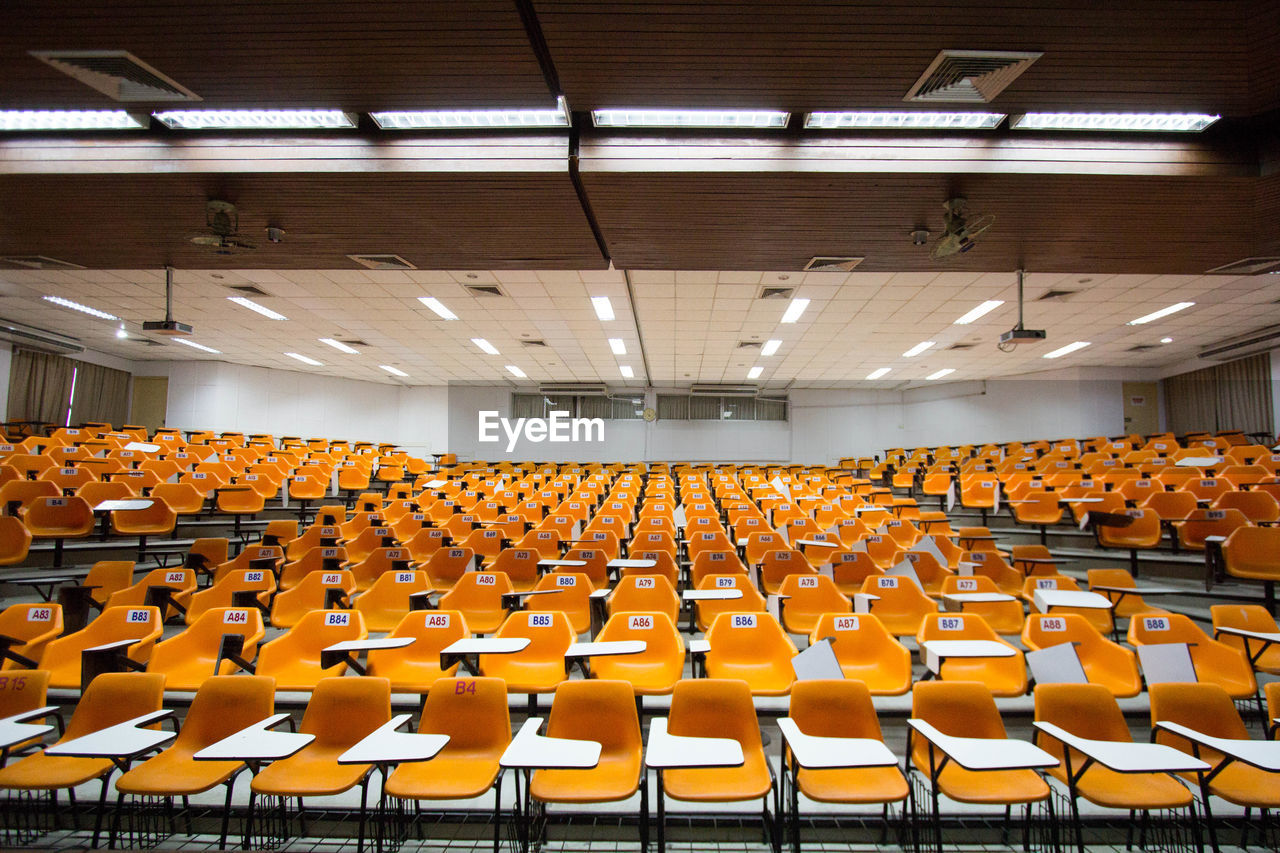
685	407
1231	396
624	408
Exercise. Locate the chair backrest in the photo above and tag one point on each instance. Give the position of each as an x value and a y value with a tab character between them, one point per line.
1152	628
714	707
1205	707
600	710
749	636
957	708
342	711
27	622
637	593
1253	552
471	711
549	633
447	565
23	691
834	708
222	706
1043	630
114	697
1087	710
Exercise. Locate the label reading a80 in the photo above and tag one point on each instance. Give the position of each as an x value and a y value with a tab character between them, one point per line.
486	580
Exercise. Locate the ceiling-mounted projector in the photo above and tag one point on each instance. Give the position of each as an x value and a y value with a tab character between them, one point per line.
1018	334
168	326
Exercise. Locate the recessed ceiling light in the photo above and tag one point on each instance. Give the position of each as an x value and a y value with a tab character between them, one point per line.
436	306
1163	312
515	371
627	371
604	308
754	373
557	116
982	310
618	345
253	306
121	333
83	309
917	349
902	121
938	374
877	373
339	345
394	371
190	343
1179	122
67	120
770	346
255	119
690	118
1067	350
485	346
794	310
1166	340
304	359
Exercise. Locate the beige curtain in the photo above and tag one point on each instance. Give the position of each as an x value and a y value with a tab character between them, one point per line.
1236	395
102	394
39	387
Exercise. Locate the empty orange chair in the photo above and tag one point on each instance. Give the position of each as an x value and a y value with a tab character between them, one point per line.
1203	523
1265	657
777	565
707	611
596	566
1003	676
62	656
478	596
657	669
1253	553
415	668
59	519
1099	618
189	658
1214	662
899	604
180	582
540	666
990	564
293	658
377	563
520	565
644	593
266	557
31	627
866	652
1127	604
1004	617
849	569
446	566
15	541
316	591
1104	663
754	648
806	598
571	596
259	583
714	563
1143	533
385	603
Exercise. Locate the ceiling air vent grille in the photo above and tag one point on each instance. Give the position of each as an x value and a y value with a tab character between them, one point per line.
822	264
962	346
1142	348
776	292
117	74
970	76
1059	295
353	342
749	345
484	290
382	262
40	262
534	343
249	289
1248	266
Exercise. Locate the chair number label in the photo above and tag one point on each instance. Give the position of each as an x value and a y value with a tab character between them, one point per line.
978	557
394	553
1216	514
342	619
456	553
55	501
539	620
69	472
175	577
328	531
404	577
328	553
40	614
137	616
875	538
1053	623
846	623
235	617
744	620
644	583
566	580
486	580
1047	583
887	583
462	687
726	583
253	577
951	623
807	583
640	623
438	620
716	557
331	578
966	584
1155	623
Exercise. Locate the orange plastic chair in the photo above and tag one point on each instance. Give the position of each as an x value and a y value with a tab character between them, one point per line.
316	591
446	566
59	519
714	563
379	562
1253	553
1004	617
62	656
1003	676
478	595
993	565
900	605
15	541
656	670
386	602
1265	657
571	596
540	666
866	652
1127	604
1203	523
850	569
1214	662
520	565
251	557
754	648
31	627
473	713
259	583
644	593
189	658
806	598
706	612
181	582
341	713
415	668
1099	618
293	658
1144	533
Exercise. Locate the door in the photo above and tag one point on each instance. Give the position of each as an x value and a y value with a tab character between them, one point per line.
1140	415
150	401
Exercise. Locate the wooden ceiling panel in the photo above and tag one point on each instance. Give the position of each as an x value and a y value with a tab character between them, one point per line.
809	54
1045	223
435	221
344	54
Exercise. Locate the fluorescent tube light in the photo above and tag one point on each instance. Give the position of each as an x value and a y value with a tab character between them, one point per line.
190	343
121	333
878	373
1177	122
1163	312
938	374
436	306
877	120
754	373
1166	340
255	119
515	371
340	346
981	311
253	306
557	116
794	310
67	120
304	359
627	371
618	345
917	349
83	309
604	308
485	346
690	118
1067	350
394	371
770	346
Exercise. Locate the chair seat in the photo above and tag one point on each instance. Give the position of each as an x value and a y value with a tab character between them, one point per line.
1246	786
48	772
720	784
765	679
311	773
457	776
646	679
1109	789
526	676
616	777
175	773
998	787
853	785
